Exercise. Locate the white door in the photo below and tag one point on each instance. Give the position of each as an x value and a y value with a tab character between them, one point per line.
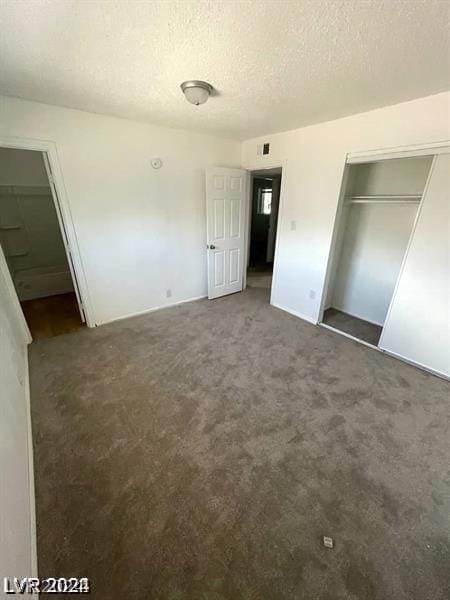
418	324
63	234
225	215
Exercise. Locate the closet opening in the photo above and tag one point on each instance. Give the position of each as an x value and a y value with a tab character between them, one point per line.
35	246
378	209
263	221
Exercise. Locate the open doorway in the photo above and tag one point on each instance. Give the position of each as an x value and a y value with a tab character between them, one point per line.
34	247
265	199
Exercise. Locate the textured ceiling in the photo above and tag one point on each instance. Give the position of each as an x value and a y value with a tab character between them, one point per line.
276	65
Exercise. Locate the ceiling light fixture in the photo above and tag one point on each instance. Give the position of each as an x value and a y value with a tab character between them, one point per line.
196	92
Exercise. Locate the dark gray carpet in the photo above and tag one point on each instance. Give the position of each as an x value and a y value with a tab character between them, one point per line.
358	328
201	452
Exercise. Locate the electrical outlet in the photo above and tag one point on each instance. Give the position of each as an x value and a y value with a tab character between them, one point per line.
312	294
168	293
328	542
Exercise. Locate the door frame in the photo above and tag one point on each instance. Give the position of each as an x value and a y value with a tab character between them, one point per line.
280	164
50	156
6	279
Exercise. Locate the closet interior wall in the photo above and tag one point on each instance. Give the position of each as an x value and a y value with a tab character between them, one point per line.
30	234
380	205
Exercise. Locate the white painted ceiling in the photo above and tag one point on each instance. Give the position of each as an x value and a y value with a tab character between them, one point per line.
277	65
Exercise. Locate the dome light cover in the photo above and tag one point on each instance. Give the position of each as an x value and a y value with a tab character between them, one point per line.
196	92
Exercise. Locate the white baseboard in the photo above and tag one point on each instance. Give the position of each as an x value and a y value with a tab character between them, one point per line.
388	352
416	364
150	310
33	538
295	313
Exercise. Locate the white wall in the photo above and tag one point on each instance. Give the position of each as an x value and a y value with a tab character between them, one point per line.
140	231
17	522
22	167
418	326
314	159
394	176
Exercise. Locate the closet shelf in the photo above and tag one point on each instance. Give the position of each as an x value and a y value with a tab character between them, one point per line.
390	197
15	254
384	198
395	196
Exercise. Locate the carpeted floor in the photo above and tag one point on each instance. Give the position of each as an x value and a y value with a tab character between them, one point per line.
363	330
259	279
202	451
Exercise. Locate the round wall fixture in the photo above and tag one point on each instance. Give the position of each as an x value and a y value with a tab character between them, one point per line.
196	92
156	163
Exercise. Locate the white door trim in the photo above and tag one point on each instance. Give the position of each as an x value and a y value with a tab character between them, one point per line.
433	148
247	226
6	280
31	483
63	209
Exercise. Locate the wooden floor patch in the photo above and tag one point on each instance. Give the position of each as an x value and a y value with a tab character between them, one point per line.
53	315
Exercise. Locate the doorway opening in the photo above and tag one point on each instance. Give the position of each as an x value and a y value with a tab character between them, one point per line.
34	243
263	221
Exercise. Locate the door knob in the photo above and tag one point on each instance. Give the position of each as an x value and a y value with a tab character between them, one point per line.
212	247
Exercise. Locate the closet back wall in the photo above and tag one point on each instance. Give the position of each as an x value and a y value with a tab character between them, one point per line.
34	248
140	231
375	241
376	236
22	167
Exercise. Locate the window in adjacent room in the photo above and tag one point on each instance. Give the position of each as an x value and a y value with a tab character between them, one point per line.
265	201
